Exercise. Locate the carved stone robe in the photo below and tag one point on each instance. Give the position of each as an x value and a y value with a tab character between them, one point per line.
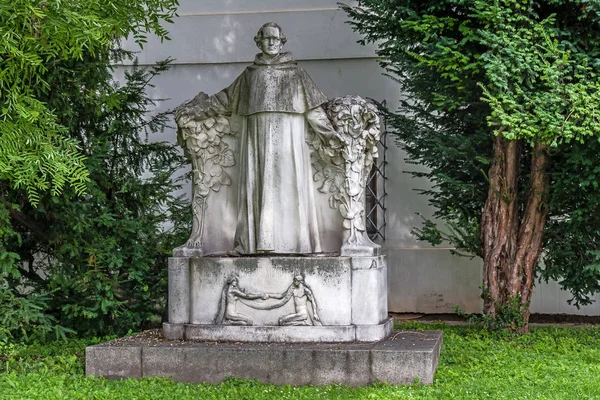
278	101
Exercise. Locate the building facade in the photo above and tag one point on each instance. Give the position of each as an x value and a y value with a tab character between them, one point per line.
212	42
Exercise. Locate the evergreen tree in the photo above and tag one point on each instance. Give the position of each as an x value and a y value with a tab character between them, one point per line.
501	104
36	151
97	261
88	211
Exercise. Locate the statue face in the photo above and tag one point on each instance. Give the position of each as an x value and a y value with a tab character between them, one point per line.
270	44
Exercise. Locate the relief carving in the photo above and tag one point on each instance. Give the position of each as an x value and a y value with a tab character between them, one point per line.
302	294
230	295
299	291
342	168
202	142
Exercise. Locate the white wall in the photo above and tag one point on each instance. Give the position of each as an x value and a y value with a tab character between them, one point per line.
212	42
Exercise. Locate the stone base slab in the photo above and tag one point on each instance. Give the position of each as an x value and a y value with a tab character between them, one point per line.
279	334
401	359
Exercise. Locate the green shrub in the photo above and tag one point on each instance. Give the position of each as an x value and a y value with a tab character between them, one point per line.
97	263
25	318
509	316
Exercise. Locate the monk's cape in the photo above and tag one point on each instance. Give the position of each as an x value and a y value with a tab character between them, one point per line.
276	85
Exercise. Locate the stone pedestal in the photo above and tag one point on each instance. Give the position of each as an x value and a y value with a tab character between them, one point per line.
350	294
400	359
353	343
277	168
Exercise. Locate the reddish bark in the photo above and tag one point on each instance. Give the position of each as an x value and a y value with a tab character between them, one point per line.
512	230
532	226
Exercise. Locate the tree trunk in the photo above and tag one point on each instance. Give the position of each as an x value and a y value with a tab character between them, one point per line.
511	229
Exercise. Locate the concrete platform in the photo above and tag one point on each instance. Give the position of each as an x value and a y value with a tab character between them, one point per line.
400	359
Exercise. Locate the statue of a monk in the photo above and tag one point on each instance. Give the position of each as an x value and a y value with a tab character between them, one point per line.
278	102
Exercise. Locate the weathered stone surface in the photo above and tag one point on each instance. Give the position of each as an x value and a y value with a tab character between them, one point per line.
346	291
260	145
399	359
271	334
173	331
114	362
179	290
372	333
369	290
296	366
344	170
328	277
280	334
164	362
184	251
253	135
278	103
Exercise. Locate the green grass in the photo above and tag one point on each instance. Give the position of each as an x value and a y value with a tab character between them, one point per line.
549	363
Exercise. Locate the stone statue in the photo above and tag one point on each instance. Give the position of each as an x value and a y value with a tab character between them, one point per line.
279	102
278	171
289	137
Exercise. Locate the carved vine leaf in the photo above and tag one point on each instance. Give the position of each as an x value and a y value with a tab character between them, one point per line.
202	140
342	171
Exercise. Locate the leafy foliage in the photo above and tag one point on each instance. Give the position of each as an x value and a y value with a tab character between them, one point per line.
101	257
509	316
88	213
25	318
525	70
36	152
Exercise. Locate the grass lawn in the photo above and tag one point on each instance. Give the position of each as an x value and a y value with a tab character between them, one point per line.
549	363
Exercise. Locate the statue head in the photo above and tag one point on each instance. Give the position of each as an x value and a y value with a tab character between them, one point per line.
232	279
298	280
270	39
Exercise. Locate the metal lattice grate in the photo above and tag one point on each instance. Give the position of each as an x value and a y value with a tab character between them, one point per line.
376	189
